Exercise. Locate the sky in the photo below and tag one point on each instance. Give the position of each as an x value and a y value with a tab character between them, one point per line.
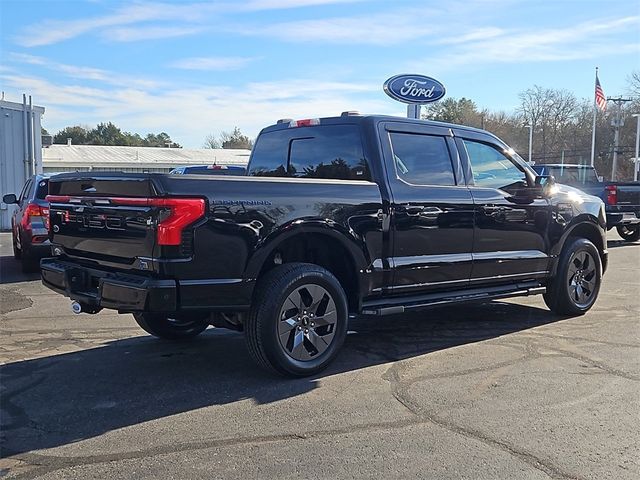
193	69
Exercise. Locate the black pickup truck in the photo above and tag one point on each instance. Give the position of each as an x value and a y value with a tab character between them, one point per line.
622	199
337	217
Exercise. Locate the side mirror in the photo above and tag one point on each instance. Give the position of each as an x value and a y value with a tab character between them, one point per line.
545	180
10	198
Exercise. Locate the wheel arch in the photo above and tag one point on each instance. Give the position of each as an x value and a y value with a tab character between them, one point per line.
584	228
319	244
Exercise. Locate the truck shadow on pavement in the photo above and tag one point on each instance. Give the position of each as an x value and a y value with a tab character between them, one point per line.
10	271
59	399
621	243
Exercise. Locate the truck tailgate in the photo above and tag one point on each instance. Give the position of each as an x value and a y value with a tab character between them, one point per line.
628	194
118	219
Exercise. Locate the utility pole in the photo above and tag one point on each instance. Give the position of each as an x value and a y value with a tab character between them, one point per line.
636	160
617	123
530	127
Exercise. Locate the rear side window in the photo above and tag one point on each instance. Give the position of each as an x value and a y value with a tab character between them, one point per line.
269	157
42	190
331	151
422	159
334	151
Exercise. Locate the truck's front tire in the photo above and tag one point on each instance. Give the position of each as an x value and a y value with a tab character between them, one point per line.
298	320
576	284
171	328
629	233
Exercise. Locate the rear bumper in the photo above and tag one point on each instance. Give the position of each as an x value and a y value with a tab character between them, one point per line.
136	293
39	250
623	218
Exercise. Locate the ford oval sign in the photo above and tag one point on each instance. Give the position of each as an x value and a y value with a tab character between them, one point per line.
416	89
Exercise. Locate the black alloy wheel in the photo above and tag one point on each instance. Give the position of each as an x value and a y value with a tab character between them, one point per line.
298	320
576	284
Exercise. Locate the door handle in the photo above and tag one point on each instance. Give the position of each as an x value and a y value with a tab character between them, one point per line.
413	209
431	212
490	209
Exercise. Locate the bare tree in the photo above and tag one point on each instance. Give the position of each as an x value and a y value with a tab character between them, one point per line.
211	142
235	139
633	83
551	113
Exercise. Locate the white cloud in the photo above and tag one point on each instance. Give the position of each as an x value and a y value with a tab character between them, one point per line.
190	114
54	31
474	36
212	63
489	46
376	29
134	34
282	4
86	73
188	15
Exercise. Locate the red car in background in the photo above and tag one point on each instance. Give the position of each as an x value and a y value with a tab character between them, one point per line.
30	222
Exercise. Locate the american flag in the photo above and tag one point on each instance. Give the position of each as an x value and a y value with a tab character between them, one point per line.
601	100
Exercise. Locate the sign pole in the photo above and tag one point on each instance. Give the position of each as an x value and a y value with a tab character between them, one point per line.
413	111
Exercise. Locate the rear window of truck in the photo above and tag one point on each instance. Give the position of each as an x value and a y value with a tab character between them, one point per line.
329	151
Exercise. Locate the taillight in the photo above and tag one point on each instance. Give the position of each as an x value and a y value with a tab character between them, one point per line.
612	194
181	212
35	210
44	211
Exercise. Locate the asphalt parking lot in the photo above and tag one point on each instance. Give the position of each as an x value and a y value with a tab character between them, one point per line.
497	390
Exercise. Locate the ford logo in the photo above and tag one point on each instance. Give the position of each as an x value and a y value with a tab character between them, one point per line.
416	89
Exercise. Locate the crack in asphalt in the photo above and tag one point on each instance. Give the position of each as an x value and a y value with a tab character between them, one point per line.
584	339
49	463
400	391
596	363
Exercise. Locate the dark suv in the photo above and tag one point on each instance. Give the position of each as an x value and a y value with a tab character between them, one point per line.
30	222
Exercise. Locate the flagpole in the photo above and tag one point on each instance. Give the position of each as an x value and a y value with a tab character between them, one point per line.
593	132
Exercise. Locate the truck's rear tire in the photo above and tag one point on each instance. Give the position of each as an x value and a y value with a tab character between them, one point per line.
169	327
629	233
298	320
575	286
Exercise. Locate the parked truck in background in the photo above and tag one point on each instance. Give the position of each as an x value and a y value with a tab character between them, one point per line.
622	199
337	217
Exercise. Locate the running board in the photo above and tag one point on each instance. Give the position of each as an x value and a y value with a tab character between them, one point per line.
403	304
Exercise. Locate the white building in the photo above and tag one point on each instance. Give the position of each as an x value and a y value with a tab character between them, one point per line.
99	158
20	149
